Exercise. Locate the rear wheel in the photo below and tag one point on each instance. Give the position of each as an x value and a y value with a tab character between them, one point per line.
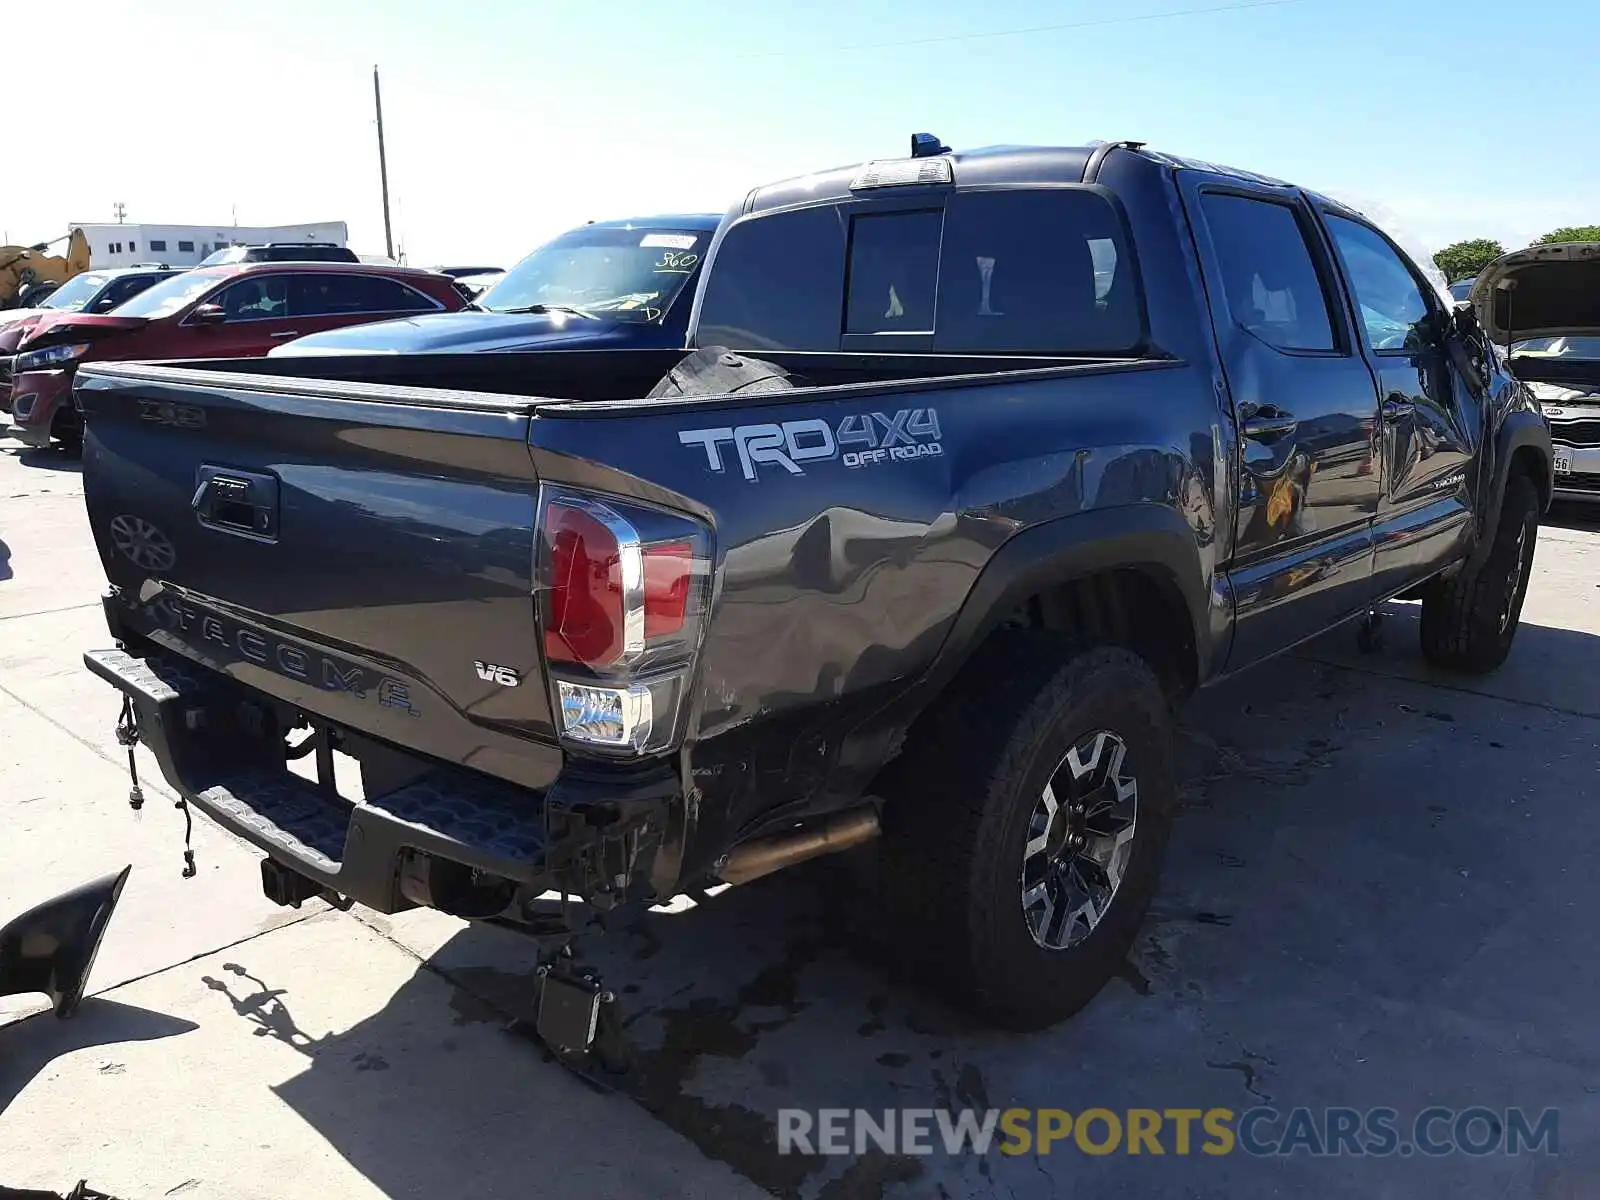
1025	827
1469	621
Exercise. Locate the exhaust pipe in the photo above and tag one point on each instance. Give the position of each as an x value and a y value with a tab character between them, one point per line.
755	859
51	947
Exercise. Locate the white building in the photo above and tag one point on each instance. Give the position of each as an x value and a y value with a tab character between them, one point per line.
114	245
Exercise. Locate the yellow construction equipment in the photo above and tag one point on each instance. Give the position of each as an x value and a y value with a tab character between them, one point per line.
28	273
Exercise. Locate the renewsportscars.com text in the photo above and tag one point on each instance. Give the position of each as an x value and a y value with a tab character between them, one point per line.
1261	1131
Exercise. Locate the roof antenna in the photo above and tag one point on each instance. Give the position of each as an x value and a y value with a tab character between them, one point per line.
925	145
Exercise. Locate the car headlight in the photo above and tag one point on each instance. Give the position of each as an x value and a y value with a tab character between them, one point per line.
54	356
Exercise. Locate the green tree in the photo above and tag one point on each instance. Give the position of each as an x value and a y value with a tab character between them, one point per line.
1571	233
1465	259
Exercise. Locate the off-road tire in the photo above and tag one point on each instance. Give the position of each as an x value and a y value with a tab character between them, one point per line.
956	821
1470	620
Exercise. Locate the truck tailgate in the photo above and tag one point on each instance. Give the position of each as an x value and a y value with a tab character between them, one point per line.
362	553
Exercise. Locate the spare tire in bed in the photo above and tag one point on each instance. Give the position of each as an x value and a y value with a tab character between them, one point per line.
718	371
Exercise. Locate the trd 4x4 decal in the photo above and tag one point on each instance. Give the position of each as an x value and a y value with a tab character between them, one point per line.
909	433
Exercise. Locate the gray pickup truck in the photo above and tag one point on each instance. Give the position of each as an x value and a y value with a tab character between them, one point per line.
982	463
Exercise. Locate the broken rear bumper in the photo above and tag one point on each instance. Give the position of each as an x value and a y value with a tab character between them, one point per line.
221	749
354	850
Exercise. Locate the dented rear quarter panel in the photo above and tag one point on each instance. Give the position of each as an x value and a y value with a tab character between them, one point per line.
838	584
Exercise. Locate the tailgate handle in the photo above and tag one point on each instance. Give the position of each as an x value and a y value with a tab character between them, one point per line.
243	503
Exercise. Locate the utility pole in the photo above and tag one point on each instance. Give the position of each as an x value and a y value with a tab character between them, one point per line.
383	166
120	209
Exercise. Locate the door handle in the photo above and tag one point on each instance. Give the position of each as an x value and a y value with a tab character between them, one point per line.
1397	410
287	333
1267	422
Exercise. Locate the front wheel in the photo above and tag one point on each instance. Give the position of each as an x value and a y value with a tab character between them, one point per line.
1469	621
1024	830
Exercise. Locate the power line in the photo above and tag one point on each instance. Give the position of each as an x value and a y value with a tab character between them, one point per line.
1000	33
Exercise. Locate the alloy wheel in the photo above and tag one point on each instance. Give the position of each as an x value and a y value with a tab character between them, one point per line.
1080	838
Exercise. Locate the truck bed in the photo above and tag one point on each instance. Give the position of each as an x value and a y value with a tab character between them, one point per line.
535	379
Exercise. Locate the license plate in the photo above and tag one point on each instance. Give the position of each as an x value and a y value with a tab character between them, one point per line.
1563	461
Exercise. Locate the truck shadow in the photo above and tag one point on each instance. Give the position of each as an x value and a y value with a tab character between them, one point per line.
1358	860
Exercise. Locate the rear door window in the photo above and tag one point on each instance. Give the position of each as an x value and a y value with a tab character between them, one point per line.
1269	279
330	295
390	295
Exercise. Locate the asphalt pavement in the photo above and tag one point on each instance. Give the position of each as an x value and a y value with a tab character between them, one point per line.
1380	895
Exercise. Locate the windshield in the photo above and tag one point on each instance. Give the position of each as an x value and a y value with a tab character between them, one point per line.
169	296
631	274
75	293
1461	289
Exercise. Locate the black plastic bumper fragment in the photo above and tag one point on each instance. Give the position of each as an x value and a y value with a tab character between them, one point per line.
223	755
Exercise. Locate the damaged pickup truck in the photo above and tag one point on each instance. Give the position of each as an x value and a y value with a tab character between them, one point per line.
983	462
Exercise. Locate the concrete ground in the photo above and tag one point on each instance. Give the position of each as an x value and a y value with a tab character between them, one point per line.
1380	894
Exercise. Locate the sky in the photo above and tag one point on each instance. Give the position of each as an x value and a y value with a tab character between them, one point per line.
508	121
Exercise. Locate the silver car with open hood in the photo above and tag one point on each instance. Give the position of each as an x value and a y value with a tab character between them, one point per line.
1544	304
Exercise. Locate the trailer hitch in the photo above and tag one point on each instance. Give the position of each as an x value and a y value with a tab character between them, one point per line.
577	1019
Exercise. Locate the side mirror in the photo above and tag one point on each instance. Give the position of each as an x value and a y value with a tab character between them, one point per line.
51	947
209	314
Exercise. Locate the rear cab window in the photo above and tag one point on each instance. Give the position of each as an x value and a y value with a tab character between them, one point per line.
893	273
1042	271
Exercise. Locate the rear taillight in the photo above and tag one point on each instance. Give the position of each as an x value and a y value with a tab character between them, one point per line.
622	597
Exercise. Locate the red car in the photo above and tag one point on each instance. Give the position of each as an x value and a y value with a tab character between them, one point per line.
235	311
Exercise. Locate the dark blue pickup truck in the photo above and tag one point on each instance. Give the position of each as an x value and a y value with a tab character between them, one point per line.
981	463
604	284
